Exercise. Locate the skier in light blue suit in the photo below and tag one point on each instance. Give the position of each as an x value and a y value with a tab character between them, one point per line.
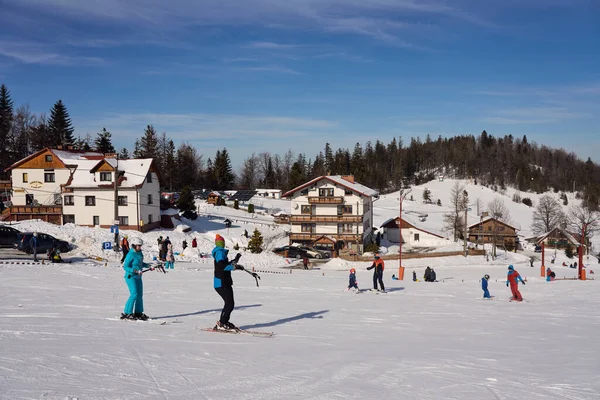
133	266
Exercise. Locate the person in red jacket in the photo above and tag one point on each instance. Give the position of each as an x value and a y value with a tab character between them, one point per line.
513	279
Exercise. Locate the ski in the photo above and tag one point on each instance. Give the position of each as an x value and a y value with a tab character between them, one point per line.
240	332
148	321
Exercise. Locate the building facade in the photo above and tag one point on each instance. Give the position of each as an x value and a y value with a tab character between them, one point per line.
81	188
490	230
333	206
412	235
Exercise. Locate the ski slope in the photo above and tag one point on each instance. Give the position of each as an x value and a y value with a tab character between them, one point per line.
59	338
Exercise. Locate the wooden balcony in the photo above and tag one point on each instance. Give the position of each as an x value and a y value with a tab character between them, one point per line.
348	237
326	219
326	200
52	214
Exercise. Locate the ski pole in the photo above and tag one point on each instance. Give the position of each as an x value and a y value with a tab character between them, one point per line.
254	274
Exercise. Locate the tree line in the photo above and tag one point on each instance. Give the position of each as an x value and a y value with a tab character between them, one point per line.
497	162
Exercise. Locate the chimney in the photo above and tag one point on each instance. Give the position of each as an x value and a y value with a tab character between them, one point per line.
484	214
69	147
59	147
349	178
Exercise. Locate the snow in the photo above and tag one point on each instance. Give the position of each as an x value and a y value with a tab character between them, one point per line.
59	337
135	172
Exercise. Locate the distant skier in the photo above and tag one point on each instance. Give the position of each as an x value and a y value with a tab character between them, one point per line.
184	245
484	286
513	279
352	280
194	243
133	266
124	247
531	262
223	283
378	273
414	276
432	276
305	261
33	243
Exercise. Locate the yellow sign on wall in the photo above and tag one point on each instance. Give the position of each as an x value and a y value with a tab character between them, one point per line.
36	184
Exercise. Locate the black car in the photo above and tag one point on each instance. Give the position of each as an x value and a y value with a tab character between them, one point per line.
44	243
292	251
8	235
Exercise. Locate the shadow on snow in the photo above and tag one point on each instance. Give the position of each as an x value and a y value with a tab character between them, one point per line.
205	312
311	315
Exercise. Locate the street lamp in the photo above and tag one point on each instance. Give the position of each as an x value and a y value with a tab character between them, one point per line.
403	193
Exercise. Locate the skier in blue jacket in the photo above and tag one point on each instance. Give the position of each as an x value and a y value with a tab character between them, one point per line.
133	266
484	286
223	283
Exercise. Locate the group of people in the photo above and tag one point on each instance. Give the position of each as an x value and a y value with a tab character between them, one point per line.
512	279
165	252
378	266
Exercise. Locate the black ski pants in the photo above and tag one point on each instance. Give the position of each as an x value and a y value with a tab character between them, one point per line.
378	276
226	293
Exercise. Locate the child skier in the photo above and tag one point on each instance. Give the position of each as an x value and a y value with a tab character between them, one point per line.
484	286
170	257
513	280
352	280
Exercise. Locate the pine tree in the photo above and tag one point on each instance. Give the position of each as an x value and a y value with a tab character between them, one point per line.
169	170
83	144
123	154
255	243
186	200
137	149
103	143
329	160
223	173
148	145
426	196
59	126
6	120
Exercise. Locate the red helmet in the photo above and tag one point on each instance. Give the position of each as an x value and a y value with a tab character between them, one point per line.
352	271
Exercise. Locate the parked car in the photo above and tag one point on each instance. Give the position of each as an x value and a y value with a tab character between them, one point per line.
314	253
292	251
45	242
8	235
324	249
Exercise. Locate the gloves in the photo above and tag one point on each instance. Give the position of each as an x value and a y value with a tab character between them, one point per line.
506	284
237	266
523	283
139	272
369	268
254	274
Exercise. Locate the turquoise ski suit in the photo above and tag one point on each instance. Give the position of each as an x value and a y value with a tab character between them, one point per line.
134	262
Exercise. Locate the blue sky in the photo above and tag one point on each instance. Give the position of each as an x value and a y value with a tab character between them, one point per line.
275	75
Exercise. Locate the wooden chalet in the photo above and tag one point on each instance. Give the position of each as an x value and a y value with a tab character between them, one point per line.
491	229
557	238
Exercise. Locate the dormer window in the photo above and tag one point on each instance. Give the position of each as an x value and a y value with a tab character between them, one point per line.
105	177
48	158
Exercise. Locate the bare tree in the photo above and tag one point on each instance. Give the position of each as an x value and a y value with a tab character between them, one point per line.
583	219
247	177
497	210
459	200
547	215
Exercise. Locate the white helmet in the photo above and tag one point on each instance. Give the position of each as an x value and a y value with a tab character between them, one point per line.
137	241
35	234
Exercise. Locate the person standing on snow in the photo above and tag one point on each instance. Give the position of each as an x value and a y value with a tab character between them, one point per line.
124	247
378	273
352	280
194	243
513	280
33	243
170	257
484	286
133	266
223	283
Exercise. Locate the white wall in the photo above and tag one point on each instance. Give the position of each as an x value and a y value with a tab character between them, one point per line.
149	209
45	193
408	237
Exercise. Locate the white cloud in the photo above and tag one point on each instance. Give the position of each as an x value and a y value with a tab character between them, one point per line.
33	53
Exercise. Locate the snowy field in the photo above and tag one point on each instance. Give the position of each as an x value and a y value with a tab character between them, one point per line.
418	341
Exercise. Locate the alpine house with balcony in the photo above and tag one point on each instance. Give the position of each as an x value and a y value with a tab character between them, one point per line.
332	206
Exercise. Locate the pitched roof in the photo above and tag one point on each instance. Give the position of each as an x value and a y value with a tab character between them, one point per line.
486	219
134	173
338	180
568	235
414	224
65	156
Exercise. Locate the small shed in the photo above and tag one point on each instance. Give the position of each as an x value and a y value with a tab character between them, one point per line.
227	223
213	198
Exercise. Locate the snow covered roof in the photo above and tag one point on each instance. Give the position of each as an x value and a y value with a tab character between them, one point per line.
340	180
68	156
567	235
135	172
486	219
421	226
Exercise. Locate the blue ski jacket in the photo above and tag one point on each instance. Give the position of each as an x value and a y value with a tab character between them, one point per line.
223	268
484	283
134	261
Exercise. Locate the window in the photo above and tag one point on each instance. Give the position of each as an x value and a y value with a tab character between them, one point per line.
304	192
25	177
326	192
96	220
68	219
344	228
57	199
305	209
150	199
49	177
344	210
48	158
90	200
150	218
489	228
500	229
416	237
105	177
122	200
308	227
348	192
123	221
28	199
149	177
69	200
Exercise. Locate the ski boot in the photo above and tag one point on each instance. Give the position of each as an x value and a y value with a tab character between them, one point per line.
141	316
127	316
231	326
